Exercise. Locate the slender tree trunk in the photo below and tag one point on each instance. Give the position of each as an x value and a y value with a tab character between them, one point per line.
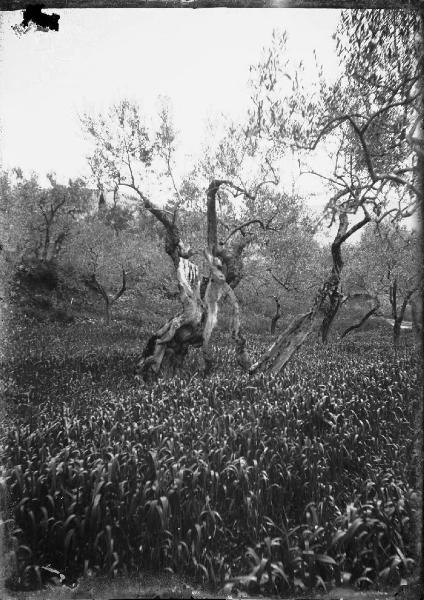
398	315
57	247
396	332
277	315
396	321
99	289
46	243
274	322
107	313
334	297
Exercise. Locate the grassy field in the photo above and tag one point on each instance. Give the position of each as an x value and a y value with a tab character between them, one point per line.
274	484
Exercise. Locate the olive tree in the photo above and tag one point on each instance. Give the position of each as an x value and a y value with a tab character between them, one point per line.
128	153
364	121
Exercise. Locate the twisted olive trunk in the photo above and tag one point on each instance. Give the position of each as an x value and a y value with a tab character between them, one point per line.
166	349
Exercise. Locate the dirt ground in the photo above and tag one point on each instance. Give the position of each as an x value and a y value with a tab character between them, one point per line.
171	587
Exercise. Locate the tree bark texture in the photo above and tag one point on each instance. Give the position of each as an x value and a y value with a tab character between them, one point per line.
290	340
334	297
166	349
287	343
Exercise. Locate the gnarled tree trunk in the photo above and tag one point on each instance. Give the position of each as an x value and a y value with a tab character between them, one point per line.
166	349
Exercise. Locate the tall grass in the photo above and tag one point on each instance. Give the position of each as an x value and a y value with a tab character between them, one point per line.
274	483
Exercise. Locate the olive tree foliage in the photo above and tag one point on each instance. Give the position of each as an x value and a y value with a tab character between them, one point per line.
109	262
364	121
36	220
283	272
385	267
366	118
129	154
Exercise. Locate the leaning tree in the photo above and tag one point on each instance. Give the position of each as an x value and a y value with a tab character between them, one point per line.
366	122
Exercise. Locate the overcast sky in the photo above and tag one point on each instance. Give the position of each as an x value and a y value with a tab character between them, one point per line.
198	58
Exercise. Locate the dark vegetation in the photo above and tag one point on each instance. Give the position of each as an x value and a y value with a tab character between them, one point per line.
270	483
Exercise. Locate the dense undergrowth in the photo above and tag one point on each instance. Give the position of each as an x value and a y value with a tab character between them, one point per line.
276	483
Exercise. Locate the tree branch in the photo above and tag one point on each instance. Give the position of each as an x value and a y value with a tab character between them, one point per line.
362	321
243	225
282	283
96	286
354	228
122	290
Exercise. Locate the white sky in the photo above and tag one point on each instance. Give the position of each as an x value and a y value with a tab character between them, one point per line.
198	58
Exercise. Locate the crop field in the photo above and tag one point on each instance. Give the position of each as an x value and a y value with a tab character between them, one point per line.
273	484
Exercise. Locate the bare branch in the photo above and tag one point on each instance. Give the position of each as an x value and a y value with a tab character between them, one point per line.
354	228
243	225
159	213
362	321
284	284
